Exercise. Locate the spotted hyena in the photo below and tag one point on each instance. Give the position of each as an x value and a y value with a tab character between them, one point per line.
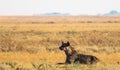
72	56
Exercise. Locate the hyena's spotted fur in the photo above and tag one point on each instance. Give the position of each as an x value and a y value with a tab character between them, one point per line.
72	56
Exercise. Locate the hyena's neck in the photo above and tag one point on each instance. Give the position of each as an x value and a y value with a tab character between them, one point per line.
70	51
73	51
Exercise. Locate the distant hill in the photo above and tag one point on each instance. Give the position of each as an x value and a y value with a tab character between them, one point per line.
55	14
113	12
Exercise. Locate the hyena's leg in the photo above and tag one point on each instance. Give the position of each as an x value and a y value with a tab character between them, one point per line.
73	59
67	60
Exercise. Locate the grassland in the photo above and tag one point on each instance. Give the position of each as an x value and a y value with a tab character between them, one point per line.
34	46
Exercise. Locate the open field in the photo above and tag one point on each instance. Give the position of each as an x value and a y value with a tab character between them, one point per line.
35	45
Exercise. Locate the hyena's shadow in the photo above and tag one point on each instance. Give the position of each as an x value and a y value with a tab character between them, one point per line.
60	63
72	56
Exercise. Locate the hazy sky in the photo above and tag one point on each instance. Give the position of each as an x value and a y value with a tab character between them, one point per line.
30	7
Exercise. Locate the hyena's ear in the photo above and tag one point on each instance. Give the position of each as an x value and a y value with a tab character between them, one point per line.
68	43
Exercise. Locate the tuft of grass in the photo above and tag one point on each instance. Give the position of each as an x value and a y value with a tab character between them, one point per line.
44	67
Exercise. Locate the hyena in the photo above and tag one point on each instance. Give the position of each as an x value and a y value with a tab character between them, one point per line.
72	56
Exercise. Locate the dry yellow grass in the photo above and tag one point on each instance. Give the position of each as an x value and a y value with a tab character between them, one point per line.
26	60
57	27
37	43
54	58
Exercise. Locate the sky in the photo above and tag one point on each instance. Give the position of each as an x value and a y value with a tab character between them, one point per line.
74	7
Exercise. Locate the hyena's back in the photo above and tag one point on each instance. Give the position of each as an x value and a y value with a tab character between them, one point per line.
86	59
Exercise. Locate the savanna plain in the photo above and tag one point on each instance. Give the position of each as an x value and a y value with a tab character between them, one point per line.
32	42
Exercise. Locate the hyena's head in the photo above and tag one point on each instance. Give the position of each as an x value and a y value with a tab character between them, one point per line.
64	45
